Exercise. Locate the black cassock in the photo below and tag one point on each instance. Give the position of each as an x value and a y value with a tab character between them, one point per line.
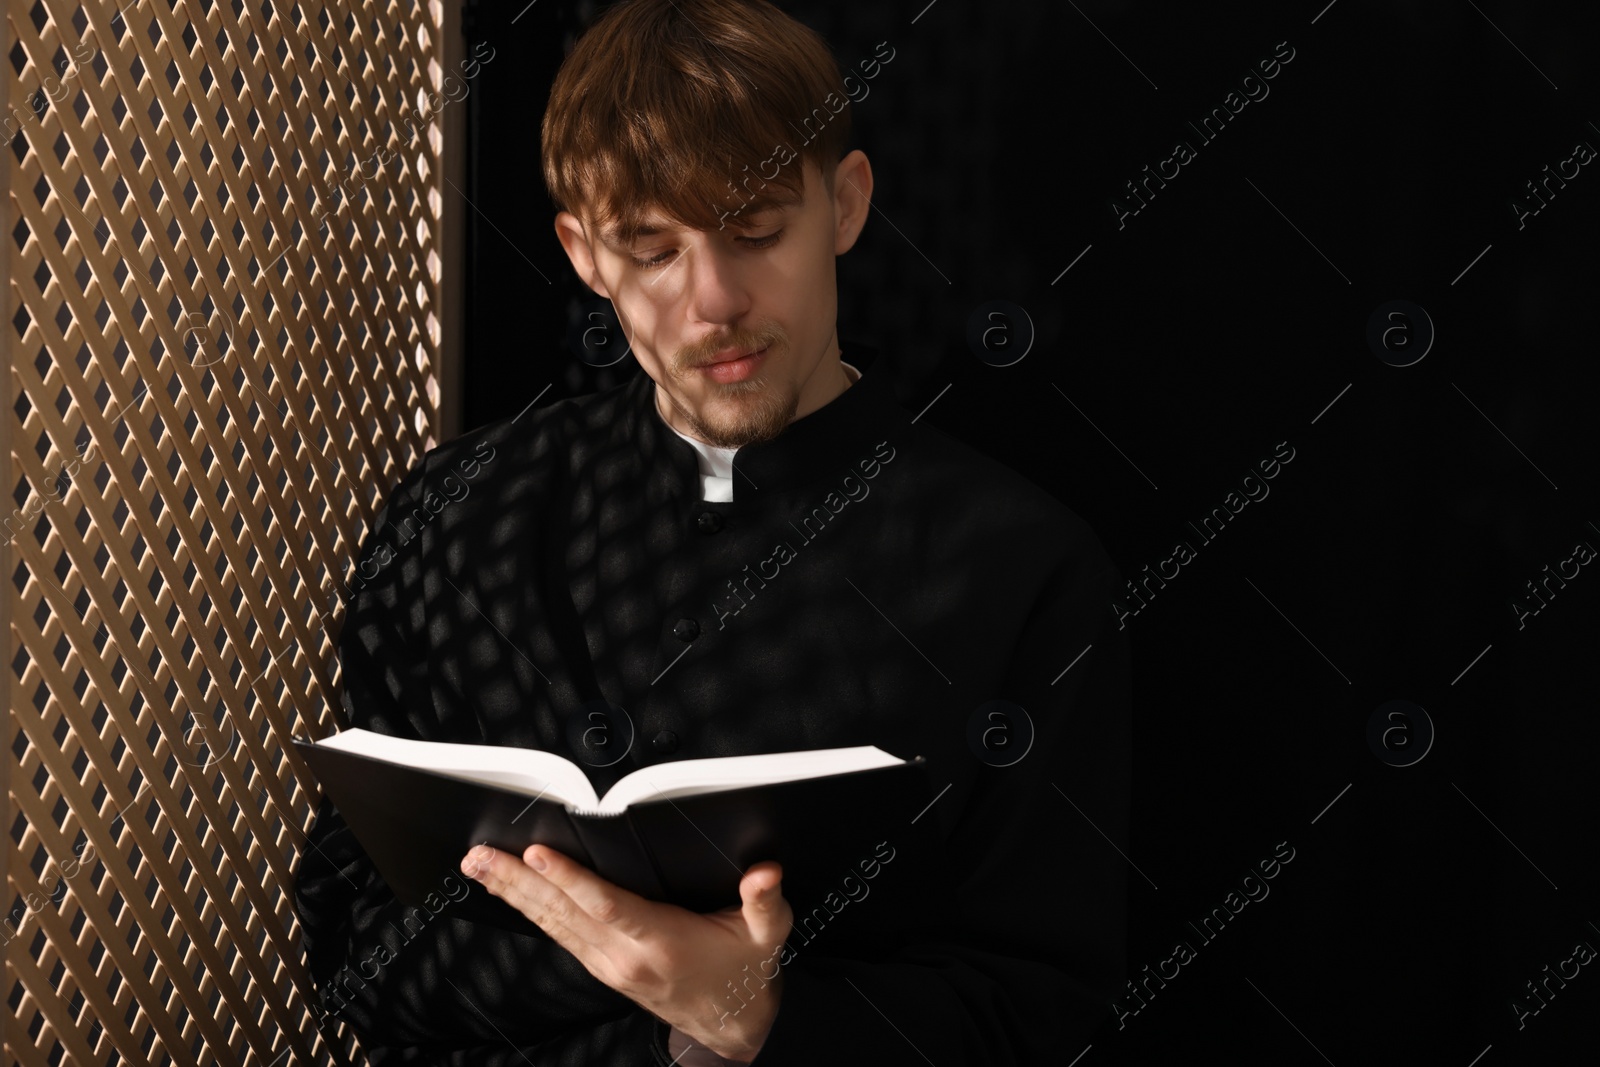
873	582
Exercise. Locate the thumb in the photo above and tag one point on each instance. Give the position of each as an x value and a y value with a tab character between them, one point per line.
761	889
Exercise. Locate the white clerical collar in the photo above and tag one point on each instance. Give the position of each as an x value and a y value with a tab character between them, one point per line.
716	464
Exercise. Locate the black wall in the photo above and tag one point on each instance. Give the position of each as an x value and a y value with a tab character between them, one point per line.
1231	314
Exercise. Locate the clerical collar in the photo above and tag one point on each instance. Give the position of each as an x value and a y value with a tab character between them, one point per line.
838	434
716	462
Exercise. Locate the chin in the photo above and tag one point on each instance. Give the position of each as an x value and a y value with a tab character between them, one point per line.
747	417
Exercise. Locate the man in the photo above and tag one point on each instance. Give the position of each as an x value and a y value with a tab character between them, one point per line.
748	547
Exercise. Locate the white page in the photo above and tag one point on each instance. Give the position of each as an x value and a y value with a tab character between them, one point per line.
525	770
696	776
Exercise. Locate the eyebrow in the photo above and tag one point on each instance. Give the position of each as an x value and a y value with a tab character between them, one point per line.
614	235
618	239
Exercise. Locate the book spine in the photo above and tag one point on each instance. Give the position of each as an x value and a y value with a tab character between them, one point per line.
648	858
618	855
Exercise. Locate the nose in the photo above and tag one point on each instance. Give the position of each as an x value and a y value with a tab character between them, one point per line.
717	289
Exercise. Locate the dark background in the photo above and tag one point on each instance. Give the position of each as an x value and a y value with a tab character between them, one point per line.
1175	354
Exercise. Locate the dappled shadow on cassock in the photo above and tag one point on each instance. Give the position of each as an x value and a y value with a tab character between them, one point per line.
556	582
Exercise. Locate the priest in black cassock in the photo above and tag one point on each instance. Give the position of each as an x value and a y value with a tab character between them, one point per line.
750	546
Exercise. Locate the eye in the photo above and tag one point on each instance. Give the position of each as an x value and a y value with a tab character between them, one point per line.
652	262
661	258
762	242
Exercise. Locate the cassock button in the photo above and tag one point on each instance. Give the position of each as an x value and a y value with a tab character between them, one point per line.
710	522
686	630
666	741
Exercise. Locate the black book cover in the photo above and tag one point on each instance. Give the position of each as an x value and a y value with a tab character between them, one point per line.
691	851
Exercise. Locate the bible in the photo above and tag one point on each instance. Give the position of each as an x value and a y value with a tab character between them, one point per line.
681	832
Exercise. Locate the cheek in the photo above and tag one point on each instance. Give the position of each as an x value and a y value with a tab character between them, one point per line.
644	299
647	325
817	276
798	283
651	296
807	267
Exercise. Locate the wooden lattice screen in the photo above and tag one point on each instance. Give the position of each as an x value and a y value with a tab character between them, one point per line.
226	330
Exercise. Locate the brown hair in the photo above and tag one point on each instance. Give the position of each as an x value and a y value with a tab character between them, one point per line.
687	106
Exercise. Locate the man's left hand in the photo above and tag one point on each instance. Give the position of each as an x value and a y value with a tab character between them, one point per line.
675	963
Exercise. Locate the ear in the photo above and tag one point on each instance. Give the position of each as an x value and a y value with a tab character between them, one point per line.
569	231
852	199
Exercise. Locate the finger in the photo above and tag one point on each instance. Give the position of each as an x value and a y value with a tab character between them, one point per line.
765	910
608	906
509	878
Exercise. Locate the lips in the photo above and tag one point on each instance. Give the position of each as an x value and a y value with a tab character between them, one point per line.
733	366
731	354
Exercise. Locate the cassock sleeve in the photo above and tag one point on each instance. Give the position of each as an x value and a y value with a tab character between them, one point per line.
419	987
1032	953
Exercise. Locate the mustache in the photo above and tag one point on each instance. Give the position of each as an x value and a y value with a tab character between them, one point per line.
698	355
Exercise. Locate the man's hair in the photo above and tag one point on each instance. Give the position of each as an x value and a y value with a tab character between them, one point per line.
687	107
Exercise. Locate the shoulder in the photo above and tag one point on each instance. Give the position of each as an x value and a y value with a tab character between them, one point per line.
993	502
966	521
521	451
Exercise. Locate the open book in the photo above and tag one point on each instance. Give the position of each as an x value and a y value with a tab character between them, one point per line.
681	831
545	774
